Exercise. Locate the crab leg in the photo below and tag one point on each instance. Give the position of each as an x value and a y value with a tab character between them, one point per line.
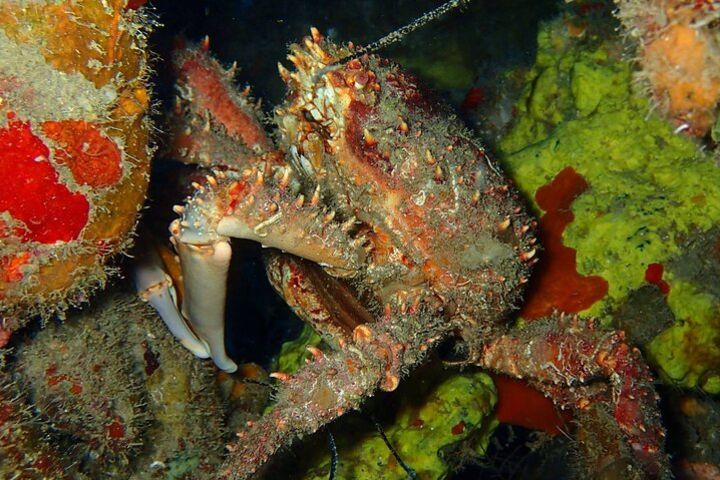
157	288
212	123
565	357
328	304
333	384
263	204
215	125
205	270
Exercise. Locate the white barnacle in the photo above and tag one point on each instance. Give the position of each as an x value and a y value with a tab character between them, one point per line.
300	162
259	229
419	198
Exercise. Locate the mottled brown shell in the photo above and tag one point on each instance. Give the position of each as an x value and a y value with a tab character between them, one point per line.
436	207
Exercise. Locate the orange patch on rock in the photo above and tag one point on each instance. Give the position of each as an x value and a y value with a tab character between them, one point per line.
116	429
557	285
654	275
4	339
459	428
681	68
522	405
32	192
10	267
93	158
135	4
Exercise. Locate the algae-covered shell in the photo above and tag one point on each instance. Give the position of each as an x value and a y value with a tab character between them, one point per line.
80	375
123	398
24	450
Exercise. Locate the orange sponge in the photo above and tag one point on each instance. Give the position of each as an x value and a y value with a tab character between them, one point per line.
680	57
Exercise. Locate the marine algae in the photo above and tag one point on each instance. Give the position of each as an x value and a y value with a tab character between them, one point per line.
650	189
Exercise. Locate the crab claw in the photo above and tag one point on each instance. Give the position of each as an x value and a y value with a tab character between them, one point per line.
205	269
156	287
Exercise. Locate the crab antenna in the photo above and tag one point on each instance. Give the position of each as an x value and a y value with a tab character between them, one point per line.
411	473
397	35
333	456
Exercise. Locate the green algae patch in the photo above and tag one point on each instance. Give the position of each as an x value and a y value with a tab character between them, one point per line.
445	69
685	350
565	83
294	352
437	411
649	187
644	191
181	466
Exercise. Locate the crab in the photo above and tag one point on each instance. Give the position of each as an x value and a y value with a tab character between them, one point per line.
390	230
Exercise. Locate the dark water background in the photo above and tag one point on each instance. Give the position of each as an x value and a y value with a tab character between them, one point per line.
493	35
